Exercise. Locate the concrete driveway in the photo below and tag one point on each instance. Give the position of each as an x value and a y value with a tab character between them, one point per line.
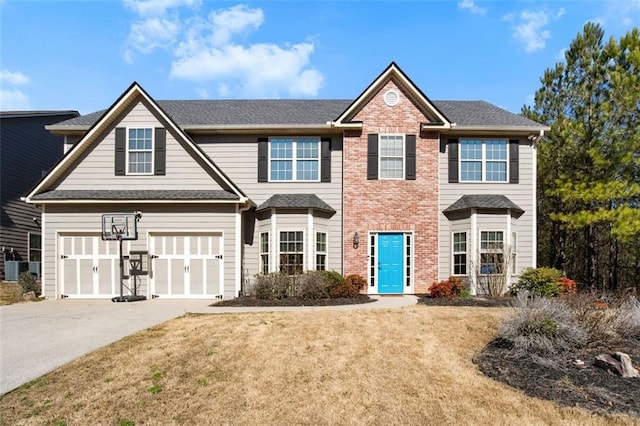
38	337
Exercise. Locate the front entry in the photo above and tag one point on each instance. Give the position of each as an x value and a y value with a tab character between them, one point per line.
390	263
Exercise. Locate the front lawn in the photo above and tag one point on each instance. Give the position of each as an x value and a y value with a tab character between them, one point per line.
406	366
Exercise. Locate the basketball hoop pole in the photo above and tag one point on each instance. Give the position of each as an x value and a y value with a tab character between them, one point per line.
121	269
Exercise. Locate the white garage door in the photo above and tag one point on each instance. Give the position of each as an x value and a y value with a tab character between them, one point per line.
186	266
89	267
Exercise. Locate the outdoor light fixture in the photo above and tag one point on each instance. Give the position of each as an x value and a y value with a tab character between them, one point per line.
356	240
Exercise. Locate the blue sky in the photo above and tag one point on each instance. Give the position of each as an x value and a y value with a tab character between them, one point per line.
82	55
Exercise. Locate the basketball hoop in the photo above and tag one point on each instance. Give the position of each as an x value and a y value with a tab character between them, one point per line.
120	227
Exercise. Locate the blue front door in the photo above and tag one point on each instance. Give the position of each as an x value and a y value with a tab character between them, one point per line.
390	263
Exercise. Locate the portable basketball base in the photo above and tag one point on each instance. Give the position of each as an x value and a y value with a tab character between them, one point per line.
120	227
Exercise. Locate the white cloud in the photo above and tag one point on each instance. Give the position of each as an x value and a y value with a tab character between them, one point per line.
259	70
209	49
561	12
13	100
154	8
14	78
471	7
529	28
561	54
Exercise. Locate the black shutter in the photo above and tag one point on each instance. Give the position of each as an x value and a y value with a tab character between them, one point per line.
410	160
263	160
160	151
372	156
121	154
453	160
325	160
514	172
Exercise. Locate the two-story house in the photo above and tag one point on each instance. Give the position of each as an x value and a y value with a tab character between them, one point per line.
395	187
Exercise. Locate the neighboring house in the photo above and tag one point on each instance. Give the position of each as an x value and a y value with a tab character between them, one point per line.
395	187
27	152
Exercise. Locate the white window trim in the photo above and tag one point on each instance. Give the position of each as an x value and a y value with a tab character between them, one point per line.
29	234
304	247
153	146
404	156
262	253
481	250
483	161
454	252
325	252
294	159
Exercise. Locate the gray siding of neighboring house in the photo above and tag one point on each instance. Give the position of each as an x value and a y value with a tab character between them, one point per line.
96	170
522	194
184	218
237	157
27	151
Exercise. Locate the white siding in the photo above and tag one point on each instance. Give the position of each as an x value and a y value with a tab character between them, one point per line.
96	170
155	218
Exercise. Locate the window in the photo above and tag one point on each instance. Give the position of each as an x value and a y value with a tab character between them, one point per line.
264	252
483	161
391	156
514	250
294	159
291	252
491	255
407	273
372	260
321	251
35	247
140	151
460	253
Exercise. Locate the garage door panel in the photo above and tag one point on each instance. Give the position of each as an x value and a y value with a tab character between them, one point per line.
177	276
85	277
70	276
106	277
212	280
160	276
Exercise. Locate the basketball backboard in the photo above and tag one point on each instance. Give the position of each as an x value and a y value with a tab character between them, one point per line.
120	226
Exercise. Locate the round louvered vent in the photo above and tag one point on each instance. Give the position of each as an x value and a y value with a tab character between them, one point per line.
391	98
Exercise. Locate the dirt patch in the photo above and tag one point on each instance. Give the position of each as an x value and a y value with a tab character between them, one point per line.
561	381
252	301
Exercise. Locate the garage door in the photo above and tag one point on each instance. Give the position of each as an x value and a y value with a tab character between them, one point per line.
89	267
186	265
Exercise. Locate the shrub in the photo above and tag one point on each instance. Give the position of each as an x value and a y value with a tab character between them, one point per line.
543	282
567	285
311	285
28	283
450	288
627	319
542	327
272	286
350	287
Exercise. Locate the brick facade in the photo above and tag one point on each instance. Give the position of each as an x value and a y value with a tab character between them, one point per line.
392	205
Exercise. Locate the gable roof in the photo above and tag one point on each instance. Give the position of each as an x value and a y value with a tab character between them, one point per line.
133	94
392	72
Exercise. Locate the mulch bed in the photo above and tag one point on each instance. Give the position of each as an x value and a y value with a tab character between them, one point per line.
247	301
558	380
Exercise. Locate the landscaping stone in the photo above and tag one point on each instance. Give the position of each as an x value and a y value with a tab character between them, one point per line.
618	363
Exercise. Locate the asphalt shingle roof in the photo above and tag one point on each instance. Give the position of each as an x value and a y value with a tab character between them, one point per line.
295	201
136	195
307	112
484	201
